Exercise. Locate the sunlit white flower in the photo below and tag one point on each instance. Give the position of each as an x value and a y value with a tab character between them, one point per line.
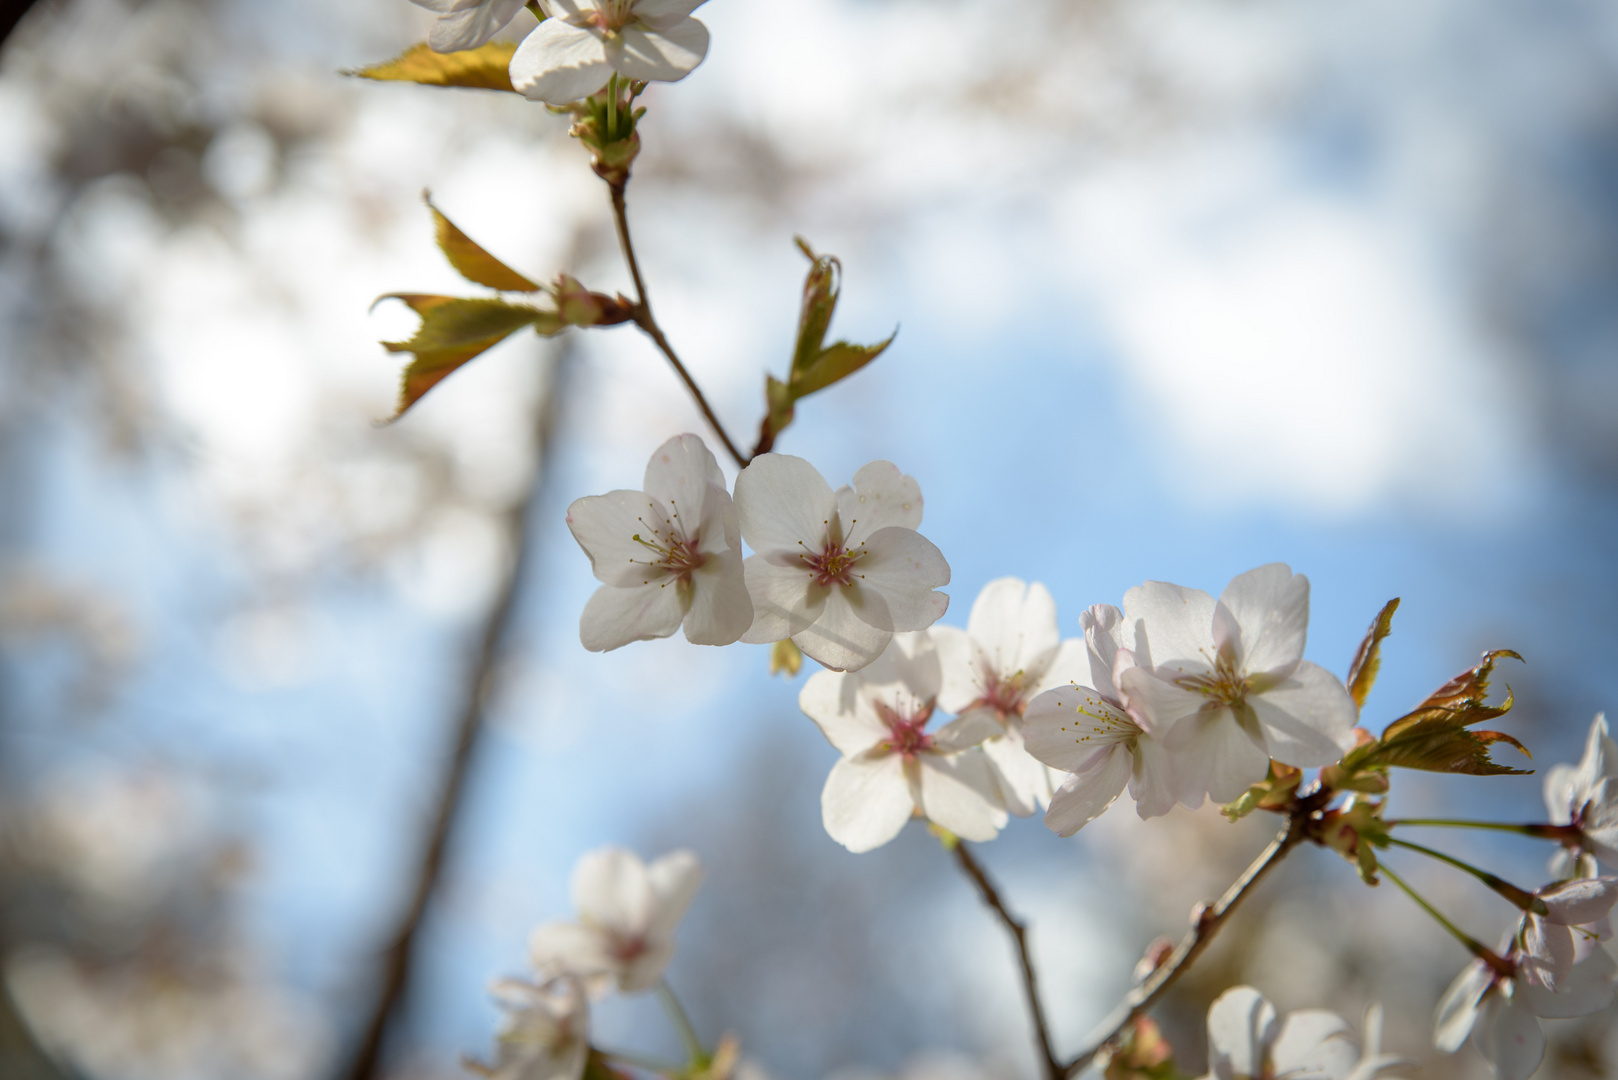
668	555
1494	1002
892	767
1010	652
572	54
1574	920
627	915
1087	731
466	24
1245	1042
1225	685
1585	797
838	572
545	1033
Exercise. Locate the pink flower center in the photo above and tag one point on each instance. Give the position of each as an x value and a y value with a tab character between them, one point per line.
628	949
905	734
673	553
1004	696
611	15
833	566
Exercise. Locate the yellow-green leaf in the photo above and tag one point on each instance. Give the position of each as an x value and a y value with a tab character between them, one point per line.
453	330
1368	658
836	362
486	67
472	262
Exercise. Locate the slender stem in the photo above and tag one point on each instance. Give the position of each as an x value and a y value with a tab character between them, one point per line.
648	324
1521	897
1544	832
682	1023
1207	924
399	960
1473	945
1051	1069
640	1061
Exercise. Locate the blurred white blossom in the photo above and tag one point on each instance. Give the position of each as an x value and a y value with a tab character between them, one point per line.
1585	796
466	24
1246	1041
544	1034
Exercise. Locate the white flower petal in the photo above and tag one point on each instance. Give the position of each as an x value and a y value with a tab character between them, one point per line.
1172	626
1576	903
662	13
1214	756
866	801
678	478
614	617
1314	1043
466	24
904	568
958	662
643	971
1069	665
838	637
971	729
559	63
612	892
1549	951
1588	988
675	878
1153	784
1509	1037
665	55
1241	1026
1025	783
606	526
1457	1011
1085	794
721	610
784	503
880	497
828	699
958	792
1308	719
1158	705
1270	609
1065	727
1014	623
785	600
564	947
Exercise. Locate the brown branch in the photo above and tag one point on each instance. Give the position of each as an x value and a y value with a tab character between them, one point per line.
1206	925
399	959
643	318
1050	1068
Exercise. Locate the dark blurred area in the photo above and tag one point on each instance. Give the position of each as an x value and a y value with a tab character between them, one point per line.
236	614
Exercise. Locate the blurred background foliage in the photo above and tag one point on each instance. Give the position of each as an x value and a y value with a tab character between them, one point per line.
1183	288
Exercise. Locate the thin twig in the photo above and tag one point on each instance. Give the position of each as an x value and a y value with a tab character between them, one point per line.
1207	924
648	325
399	959
1050	1068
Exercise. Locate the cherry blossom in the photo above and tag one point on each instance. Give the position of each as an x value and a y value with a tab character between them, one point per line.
669	555
1585	797
1087	730
1246	1042
466	24
1574	920
1010	652
545	1034
627	915
838	572
1225	685
572	54
1494	1001
893	768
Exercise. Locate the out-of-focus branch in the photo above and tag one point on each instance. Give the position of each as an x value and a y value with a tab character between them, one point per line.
1204	927
643	319
1050	1068
399	959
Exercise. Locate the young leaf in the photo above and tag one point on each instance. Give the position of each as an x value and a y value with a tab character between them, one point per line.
454	330
471	261
835	363
1368	658
820	291
486	67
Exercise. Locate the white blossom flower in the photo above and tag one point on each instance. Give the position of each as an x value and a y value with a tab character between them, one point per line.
572	54
837	572
892	767
627	915
668	555
1574	921
1584	797
1225	685
1245	1042
545	1034
1010	652
1087	730
466	24
1494	1002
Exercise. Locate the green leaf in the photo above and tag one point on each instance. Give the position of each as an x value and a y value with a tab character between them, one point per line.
1274	792
453	330
835	363
471	261
1437	736
820	291
1368	658
486	67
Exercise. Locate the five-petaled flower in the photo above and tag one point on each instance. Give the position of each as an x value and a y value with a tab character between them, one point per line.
1009	653
1584	798
1225	685
1572	923
892	767
545	1034
627	915
838	572
573	53
668	555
